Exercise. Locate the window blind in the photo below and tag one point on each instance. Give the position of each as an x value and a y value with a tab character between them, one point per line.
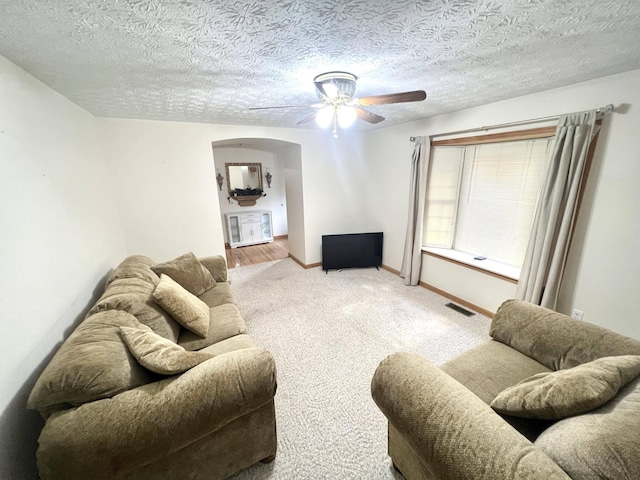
481	198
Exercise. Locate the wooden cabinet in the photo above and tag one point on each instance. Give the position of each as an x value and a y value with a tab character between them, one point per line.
249	228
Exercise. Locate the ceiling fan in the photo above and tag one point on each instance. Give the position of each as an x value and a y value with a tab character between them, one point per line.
338	106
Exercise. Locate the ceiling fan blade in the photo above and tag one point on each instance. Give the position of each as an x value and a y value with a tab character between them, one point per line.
368	116
320	88
404	97
313	105
308	119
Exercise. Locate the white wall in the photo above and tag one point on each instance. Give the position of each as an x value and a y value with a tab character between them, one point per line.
337	190
277	194
602	277
168	194
166	187
275	199
292	175
60	236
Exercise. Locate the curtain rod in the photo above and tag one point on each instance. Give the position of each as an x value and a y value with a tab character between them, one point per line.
600	113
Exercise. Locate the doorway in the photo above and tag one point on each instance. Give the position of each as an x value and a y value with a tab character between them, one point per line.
281	196
251	254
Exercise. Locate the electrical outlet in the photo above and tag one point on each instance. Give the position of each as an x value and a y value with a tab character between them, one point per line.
577	314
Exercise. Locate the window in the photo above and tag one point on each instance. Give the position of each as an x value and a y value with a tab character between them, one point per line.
481	198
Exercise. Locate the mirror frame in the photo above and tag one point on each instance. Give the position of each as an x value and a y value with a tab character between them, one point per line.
258	165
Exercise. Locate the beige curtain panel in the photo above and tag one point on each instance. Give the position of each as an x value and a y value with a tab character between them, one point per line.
412	258
553	222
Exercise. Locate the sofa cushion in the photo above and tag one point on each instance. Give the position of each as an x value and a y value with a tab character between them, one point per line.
187	309
601	444
159	354
491	367
237	342
188	272
225	322
220	295
555	395
134	295
92	363
217	265
553	339
134	266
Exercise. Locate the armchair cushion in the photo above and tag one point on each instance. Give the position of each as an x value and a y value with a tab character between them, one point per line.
556	395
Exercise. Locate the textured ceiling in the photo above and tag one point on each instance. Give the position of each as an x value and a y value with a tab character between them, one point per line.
210	60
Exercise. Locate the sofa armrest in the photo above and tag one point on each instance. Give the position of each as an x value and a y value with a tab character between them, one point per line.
217	265
453	432
111	437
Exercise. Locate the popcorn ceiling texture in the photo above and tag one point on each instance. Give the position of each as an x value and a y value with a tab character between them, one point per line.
209	61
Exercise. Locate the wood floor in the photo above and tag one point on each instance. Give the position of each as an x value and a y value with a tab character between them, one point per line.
266	252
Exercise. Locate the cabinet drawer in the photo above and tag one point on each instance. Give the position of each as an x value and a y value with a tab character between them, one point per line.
250	217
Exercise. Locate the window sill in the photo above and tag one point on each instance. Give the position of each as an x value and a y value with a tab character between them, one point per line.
491	267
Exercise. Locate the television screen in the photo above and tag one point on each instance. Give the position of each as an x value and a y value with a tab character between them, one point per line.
353	250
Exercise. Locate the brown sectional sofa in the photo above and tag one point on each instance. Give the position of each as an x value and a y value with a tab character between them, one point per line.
442	427
109	417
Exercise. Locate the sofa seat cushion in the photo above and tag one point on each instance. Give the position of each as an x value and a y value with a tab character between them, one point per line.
225	322
158	354
134	295
188	272
601	444
231	344
93	363
491	367
556	395
220	295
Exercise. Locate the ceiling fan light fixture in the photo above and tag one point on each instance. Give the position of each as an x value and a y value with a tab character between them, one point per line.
346	116
324	118
335	86
331	90
338	108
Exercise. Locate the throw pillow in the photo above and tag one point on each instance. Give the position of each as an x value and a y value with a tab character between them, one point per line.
187	309
563	393
159	354
188	272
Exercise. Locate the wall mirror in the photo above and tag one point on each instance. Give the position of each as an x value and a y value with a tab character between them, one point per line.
244	176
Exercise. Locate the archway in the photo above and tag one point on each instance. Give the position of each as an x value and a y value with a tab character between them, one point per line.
281	162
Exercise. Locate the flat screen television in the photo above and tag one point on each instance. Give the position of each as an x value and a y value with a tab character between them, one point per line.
351	250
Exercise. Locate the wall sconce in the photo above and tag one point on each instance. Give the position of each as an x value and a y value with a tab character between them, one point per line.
220	179
268	176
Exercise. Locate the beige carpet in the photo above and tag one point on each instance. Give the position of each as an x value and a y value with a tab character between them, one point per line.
328	333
